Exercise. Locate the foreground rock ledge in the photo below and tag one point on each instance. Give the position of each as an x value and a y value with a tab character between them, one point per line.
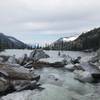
14	77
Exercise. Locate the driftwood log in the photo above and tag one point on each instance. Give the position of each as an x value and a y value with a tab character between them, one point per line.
41	64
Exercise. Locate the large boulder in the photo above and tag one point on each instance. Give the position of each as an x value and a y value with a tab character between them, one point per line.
12	60
23	60
83	76
66	58
10	75
70	67
38	54
19	73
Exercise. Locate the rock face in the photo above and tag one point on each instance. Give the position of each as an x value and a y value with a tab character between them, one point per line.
18	77
38	54
15	73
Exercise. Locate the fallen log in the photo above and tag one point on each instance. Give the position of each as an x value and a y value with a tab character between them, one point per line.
41	64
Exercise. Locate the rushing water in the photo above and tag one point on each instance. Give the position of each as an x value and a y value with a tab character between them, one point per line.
57	84
53	54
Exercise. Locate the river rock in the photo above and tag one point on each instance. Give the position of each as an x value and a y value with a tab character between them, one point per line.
76	60
70	67
98	53
79	67
12	60
96	58
1	59
9	74
4	83
29	64
23	60
20	85
83	76
38	54
5	58
96	77
66	59
18	73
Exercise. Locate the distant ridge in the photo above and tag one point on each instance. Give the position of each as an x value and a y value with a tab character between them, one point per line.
8	42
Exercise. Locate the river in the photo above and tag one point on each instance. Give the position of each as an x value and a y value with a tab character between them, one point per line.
57	83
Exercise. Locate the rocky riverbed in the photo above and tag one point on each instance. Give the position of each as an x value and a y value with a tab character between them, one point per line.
57	83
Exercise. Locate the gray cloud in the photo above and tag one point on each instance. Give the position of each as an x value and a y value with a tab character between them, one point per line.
48	17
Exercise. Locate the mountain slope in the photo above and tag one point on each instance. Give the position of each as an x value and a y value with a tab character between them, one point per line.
7	42
87	40
63	43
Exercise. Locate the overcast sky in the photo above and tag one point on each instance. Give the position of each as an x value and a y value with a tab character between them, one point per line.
43	21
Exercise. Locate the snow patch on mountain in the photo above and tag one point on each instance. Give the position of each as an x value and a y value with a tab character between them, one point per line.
67	39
